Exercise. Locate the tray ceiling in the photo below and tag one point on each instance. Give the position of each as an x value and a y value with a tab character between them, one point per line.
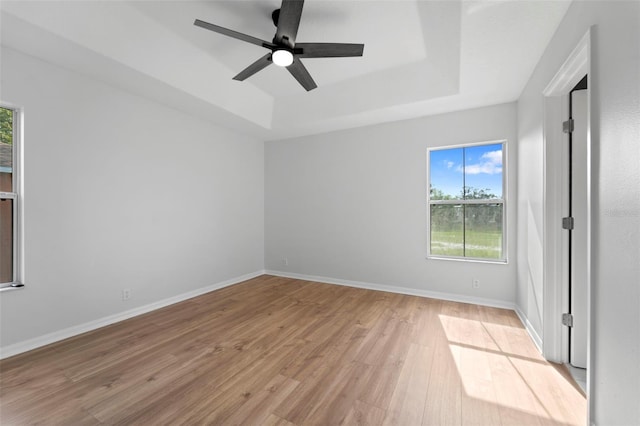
420	57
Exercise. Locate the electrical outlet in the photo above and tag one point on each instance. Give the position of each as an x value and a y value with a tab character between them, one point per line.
285	261
126	293
475	283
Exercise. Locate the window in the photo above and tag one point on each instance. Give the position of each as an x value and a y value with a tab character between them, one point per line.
9	145
466	202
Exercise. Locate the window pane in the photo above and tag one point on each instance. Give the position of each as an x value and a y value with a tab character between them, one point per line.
483	231
6	149
6	180
445	169
6	240
446	230
483	171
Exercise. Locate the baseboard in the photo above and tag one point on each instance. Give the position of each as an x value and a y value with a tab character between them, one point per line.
527	325
396	289
27	345
56	336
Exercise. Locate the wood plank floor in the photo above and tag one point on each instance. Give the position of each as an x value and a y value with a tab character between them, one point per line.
278	351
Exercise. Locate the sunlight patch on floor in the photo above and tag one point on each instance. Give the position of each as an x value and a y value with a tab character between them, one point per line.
498	363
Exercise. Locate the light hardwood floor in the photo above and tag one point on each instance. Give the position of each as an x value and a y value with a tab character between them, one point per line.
278	351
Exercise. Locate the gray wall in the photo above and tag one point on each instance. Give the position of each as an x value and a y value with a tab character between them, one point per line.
615	115
123	192
351	205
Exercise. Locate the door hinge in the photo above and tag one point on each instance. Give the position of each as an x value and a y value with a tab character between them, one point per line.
567	319
567	223
567	126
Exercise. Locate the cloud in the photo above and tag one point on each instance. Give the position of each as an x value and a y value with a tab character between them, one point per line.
490	163
449	164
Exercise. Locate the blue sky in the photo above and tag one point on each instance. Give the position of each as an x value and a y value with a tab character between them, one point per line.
482	167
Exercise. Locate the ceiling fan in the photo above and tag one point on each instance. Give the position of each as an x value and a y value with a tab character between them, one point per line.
284	51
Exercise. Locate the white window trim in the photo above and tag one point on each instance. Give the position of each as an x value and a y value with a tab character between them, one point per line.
505	251
17	196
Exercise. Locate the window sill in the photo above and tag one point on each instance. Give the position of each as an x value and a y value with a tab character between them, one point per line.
12	287
472	260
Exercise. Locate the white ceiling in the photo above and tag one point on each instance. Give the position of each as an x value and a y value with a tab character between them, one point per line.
420	57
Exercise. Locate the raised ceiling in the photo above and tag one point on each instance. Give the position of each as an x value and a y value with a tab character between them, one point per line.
420	57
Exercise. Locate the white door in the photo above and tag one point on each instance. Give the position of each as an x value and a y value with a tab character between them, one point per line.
578	246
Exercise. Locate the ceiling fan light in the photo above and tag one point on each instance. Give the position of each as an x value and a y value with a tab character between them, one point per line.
282	58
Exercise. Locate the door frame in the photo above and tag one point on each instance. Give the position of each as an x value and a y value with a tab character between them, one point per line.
555	337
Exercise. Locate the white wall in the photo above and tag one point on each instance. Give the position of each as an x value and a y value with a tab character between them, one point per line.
122	192
351	205
615	115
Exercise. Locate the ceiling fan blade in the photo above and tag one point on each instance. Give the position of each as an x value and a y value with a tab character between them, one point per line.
258	65
328	50
288	22
301	74
234	34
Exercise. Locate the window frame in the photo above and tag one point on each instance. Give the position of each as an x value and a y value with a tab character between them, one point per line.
16	196
505	258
